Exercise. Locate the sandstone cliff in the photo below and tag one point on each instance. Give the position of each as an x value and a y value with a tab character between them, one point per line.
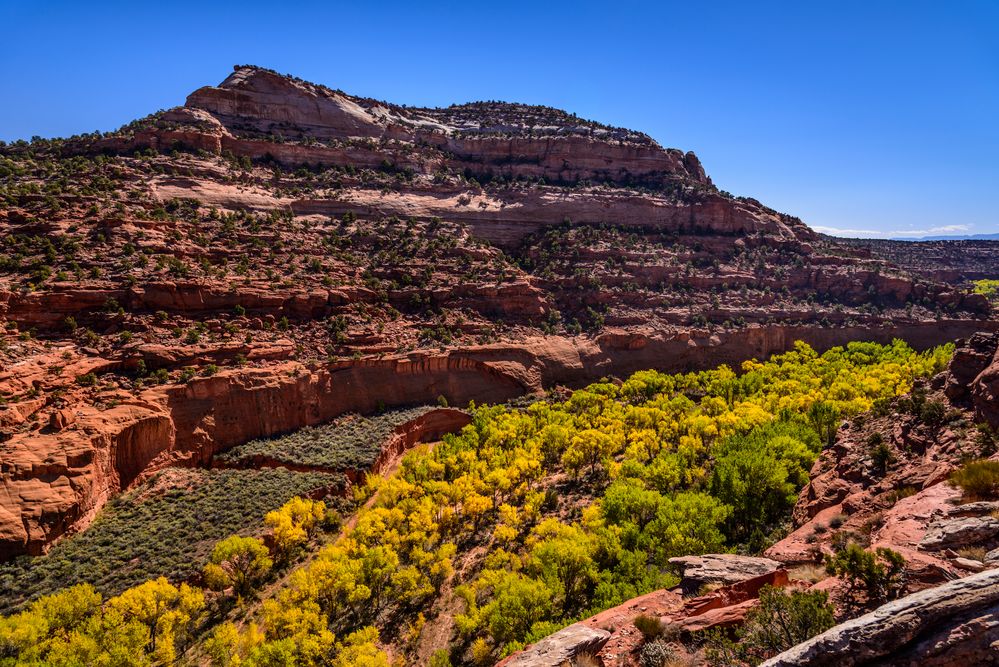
274	253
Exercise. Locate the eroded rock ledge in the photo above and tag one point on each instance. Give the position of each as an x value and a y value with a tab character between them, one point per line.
953	624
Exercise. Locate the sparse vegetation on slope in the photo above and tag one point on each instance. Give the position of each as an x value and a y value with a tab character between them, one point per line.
349	442
166	527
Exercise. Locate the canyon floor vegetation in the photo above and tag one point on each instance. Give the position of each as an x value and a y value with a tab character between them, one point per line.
525	521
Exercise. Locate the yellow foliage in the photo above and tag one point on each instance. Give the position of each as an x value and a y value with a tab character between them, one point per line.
669	444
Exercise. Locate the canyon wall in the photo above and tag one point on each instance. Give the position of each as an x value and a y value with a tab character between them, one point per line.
53	481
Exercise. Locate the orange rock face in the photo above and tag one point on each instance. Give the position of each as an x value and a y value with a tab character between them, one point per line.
276	253
54	479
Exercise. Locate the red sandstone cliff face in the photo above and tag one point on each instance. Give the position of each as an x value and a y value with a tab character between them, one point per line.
276	253
54	478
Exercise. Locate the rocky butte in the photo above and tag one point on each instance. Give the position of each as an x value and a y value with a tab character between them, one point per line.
275	254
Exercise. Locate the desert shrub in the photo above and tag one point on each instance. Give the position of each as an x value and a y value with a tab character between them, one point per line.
586	659
978	479
882	457
973	553
656	653
650	626
153	531
933	413
986	439
781	620
349	442
784	619
440	658
896	495
878	576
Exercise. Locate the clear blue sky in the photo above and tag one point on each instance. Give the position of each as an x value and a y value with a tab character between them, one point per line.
880	116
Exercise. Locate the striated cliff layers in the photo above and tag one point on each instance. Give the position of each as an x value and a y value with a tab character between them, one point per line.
56	477
275	253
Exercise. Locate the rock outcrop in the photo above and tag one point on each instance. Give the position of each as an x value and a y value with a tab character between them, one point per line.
698	571
560	648
960	532
956	623
681	617
985	386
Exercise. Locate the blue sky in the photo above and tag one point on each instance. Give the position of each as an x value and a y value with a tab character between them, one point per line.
878	117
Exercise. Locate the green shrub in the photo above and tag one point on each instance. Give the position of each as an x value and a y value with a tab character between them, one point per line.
440	658
882	457
878	575
933	413
784	619
979	479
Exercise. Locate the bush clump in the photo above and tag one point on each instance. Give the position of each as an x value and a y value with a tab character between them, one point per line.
650	626
656	654
979	479
871	577
781	620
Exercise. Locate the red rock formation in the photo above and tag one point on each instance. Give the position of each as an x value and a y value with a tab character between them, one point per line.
203	237
613	639
53	481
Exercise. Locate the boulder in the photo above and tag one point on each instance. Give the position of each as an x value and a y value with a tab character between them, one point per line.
721	617
61	419
956	623
960	532
720	569
560	648
969	564
974	509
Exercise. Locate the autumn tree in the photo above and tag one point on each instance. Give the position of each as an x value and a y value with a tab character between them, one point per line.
240	562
